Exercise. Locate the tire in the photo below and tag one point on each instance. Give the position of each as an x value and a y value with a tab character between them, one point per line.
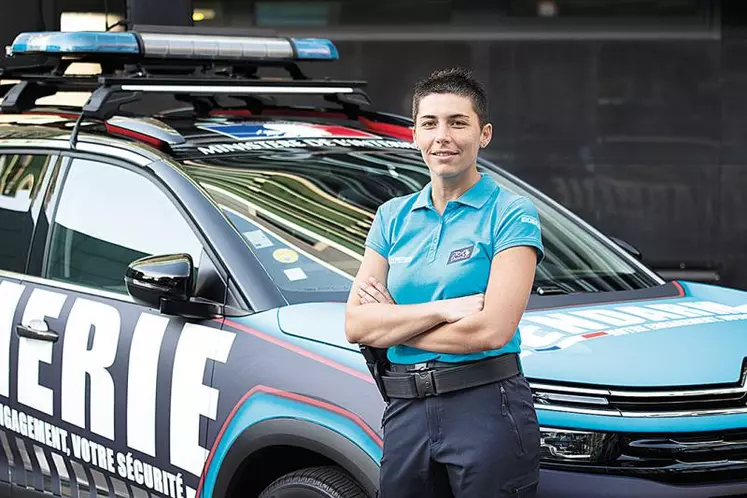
315	482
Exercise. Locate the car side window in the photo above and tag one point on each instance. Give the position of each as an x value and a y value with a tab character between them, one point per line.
108	217
21	179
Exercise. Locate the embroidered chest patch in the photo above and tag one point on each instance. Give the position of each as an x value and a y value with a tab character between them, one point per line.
460	254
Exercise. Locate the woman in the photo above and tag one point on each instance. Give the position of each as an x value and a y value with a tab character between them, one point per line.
445	278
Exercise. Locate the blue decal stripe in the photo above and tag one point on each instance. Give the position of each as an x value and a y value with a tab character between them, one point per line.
612	423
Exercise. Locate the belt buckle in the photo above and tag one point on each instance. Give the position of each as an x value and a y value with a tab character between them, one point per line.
425	383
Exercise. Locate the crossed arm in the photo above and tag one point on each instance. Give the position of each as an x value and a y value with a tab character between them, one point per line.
455	326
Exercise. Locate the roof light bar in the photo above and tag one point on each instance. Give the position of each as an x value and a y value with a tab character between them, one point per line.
315	48
176	46
215	47
69	43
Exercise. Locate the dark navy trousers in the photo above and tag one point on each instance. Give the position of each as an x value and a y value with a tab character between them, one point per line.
482	442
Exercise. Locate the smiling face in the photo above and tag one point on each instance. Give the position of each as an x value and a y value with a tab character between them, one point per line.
448	133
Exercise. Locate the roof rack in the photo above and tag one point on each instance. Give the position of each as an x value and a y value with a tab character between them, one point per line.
194	68
110	92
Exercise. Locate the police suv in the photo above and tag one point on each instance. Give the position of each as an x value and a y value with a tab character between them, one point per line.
174	260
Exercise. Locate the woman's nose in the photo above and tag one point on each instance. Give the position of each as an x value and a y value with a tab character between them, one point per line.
442	133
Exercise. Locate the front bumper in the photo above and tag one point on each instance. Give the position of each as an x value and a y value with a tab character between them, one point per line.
564	484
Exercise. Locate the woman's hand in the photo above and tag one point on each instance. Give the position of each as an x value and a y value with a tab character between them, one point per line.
457	308
374	291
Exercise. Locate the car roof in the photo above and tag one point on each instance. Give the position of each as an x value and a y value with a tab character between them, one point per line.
25	131
220	132
235	132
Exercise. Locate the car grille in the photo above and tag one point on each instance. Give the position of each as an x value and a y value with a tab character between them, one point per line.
693	458
674	458
681	403
643	402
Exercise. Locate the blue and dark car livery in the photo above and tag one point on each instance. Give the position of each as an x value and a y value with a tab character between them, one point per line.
172	287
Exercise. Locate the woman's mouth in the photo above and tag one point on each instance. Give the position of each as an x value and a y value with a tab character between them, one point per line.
444	153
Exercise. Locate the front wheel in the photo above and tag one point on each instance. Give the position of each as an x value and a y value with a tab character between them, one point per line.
315	482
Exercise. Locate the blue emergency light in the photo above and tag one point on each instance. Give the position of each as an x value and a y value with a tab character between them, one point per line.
168	46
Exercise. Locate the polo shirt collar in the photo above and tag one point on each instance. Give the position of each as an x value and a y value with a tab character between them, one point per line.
480	192
424	199
475	197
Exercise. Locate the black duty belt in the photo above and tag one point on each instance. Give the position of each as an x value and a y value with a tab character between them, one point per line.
406	381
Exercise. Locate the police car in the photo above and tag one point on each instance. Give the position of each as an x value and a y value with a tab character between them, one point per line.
174	260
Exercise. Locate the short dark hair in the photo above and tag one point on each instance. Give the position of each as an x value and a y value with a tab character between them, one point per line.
458	81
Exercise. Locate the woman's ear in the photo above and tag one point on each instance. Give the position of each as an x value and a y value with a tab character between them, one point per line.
486	135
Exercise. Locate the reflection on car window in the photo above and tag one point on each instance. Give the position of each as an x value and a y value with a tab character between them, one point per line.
20	184
107	218
321	205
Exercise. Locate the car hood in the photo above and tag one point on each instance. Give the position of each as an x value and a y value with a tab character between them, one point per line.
698	337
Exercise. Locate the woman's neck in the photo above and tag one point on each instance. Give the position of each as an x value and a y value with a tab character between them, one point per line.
445	190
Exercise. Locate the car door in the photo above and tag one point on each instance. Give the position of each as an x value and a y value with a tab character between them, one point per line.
24	178
119	390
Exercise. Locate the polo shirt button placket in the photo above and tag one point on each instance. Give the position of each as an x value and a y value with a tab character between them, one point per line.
433	251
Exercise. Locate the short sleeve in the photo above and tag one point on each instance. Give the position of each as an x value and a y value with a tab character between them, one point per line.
377	235
519	225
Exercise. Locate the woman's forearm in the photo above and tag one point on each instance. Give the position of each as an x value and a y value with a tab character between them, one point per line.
469	335
384	325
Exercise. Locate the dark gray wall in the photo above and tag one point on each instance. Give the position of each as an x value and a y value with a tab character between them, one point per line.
731	212
171	12
15	16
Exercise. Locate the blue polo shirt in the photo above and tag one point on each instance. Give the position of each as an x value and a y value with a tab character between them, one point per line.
433	256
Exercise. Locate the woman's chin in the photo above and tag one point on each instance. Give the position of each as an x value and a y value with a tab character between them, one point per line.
448	171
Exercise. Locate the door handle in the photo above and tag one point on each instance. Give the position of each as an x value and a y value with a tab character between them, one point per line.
37	329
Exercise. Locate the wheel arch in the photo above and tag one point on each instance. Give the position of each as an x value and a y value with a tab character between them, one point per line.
294	434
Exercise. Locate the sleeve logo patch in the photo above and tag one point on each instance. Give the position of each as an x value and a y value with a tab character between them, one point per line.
460	254
531	220
400	260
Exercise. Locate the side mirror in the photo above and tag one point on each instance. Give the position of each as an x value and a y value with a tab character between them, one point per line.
154	277
630	249
167	283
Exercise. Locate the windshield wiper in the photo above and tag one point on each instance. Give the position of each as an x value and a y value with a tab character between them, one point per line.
547	290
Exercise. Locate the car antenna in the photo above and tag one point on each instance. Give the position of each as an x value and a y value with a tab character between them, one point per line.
76	129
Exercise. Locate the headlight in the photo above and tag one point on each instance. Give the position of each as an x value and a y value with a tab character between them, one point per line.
562	445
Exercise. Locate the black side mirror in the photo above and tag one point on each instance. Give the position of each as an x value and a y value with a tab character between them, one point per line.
630	249
154	277
167	283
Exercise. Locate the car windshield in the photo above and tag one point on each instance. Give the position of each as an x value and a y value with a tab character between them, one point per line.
305	215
